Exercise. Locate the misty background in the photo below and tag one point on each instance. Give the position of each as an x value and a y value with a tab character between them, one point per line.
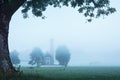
91	44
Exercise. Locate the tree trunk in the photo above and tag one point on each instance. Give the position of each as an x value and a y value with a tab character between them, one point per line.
5	62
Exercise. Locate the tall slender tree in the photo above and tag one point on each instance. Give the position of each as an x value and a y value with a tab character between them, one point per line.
90	8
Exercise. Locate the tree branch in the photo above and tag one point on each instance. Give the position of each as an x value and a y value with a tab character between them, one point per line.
16	5
95	4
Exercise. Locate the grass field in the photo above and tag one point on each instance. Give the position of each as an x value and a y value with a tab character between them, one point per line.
70	73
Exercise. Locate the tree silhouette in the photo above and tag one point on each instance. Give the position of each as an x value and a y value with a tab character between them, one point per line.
63	55
37	57
14	57
90	8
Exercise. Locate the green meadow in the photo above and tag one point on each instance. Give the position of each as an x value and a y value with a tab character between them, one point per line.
70	73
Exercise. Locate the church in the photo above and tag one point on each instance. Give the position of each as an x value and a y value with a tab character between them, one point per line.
49	56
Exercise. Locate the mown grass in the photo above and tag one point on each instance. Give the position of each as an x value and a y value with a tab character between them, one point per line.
71	73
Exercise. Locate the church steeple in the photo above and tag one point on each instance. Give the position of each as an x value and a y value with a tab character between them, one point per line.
52	49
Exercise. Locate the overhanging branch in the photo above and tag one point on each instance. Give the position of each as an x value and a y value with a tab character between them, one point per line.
16	5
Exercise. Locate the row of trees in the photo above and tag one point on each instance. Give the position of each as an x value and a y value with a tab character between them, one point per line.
62	56
37	56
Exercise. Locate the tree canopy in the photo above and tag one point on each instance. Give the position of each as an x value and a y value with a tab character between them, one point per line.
62	55
90	8
37	57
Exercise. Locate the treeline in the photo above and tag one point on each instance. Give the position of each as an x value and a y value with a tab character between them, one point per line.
38	58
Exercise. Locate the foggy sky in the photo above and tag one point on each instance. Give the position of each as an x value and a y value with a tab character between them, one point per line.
95	43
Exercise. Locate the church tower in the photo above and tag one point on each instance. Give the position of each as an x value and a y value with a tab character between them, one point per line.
52	50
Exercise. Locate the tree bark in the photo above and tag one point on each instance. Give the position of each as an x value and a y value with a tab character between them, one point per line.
5	62
6	12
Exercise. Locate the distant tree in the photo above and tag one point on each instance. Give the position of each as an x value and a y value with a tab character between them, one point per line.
63	55
37	57
15	58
